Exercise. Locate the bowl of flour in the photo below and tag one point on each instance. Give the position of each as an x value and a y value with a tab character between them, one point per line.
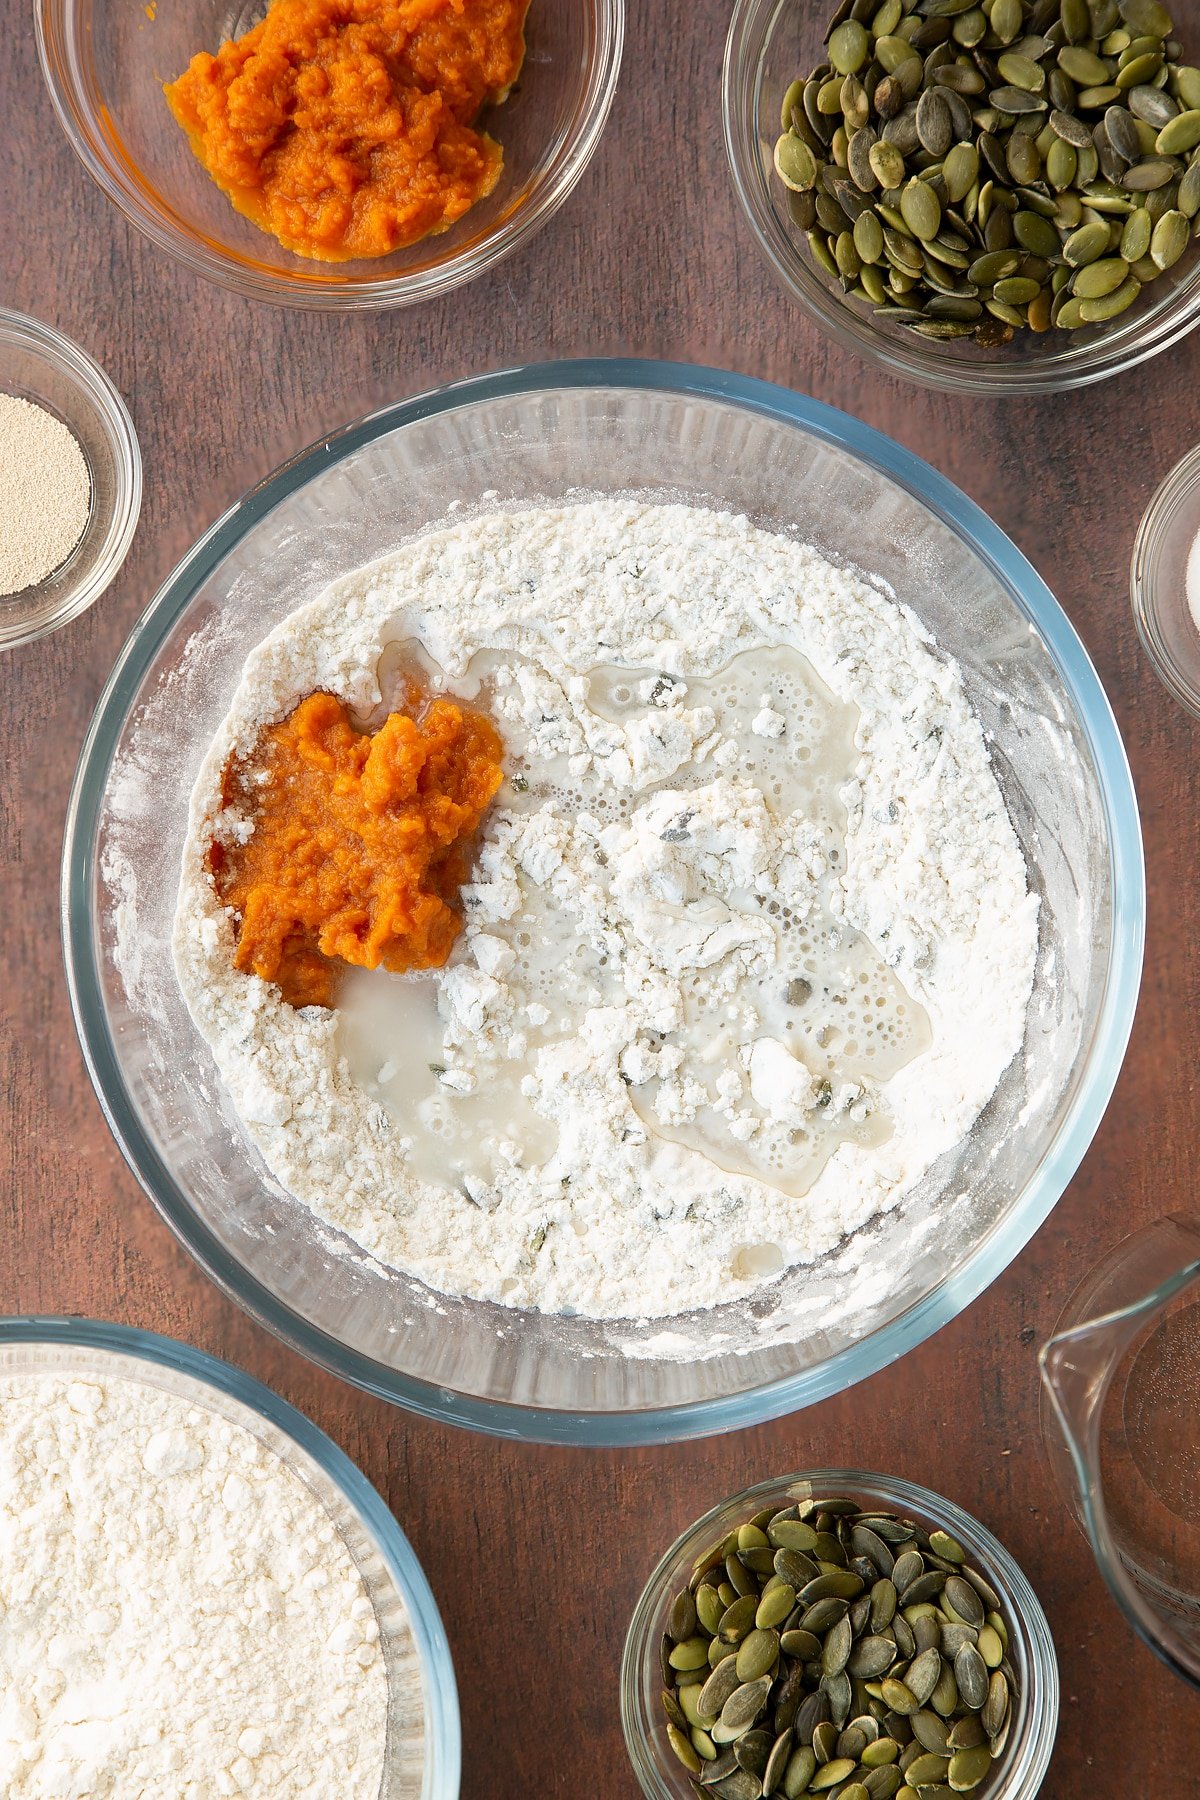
201	1594
799	947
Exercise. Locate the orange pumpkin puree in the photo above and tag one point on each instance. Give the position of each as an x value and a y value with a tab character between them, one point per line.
345	128
360	842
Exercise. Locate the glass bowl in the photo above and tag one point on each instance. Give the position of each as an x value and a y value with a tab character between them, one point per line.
770	43
1019	1774
542	434
38	363
1166	563
105	62
424	1746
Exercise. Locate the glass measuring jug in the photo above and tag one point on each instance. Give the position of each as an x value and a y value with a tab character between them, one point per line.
1121	1420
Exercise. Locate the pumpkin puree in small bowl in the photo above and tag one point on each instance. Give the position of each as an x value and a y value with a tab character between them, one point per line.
359	844
346	128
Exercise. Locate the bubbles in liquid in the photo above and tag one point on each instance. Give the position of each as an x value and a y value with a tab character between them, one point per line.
828	994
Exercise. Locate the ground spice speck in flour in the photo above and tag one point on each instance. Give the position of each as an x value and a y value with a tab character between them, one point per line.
45	493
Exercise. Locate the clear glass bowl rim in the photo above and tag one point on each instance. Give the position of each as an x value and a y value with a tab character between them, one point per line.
301	287
1114	1019
853	330
444	1737
1184	479
1030	1756
85	374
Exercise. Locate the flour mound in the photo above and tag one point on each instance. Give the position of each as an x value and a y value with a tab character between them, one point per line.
179	1618
644	1167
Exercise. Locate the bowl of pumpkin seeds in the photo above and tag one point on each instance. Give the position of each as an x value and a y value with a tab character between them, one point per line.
986	195
844	1635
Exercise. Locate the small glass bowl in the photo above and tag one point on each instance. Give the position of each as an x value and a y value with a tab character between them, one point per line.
38	363
1158	582
770	43
424	1746
1019	1774
105	63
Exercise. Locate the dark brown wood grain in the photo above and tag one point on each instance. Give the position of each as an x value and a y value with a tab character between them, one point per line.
536	1556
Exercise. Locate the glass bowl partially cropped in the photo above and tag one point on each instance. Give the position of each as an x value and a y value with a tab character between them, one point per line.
770	44
41	365
105	62
545	434
424	1750
1164	582
1017	1774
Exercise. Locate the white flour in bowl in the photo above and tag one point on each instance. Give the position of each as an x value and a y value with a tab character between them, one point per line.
179	1616
748	945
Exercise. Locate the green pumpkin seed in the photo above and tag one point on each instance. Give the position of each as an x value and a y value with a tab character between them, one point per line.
900	1698
1189	191
744	1706
1083	66
795	164
1181	135
1146	17
871	1658
738	1618
921	209
691	1654
849	47
1152	105
799	1772
1090	283
883	1604
1038	314
681	1620
883	1751
970	1670
1145	177
1038	236
868	237
1170	240
791	1534
752	1750
831	1774
824	1740
923	1675
1135	237
927	1771
931	1732
968	1768
1021	72
882	1783
684	1750
962	1599
1008	18
944	1698
1069	316
777	1762
995	1706
757	1652
1140	72
1110	306
793	98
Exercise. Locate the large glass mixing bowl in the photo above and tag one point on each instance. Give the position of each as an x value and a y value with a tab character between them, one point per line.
511	439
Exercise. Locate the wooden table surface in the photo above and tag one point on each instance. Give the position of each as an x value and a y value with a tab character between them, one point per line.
537	1555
